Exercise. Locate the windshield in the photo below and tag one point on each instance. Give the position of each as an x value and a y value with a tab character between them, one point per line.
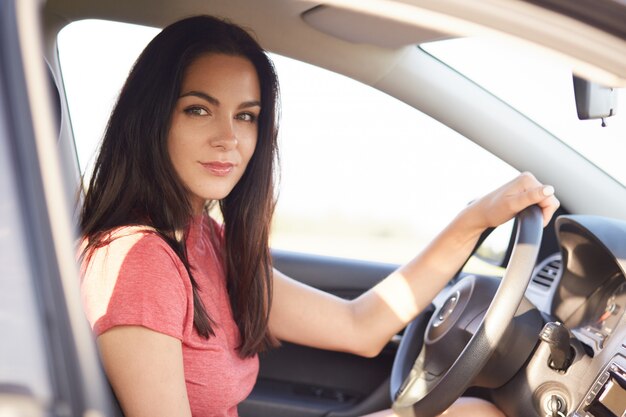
540	87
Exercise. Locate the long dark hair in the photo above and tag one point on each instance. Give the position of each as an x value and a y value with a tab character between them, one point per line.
134	181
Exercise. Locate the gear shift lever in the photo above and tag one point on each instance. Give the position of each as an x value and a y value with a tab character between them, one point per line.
557	337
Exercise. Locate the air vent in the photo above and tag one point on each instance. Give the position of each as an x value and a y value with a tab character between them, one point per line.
547	272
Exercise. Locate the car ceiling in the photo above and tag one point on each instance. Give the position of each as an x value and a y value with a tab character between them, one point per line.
335	26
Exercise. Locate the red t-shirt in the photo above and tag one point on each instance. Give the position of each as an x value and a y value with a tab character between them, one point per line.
137	279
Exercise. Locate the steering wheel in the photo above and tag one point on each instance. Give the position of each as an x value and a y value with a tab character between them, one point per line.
460	336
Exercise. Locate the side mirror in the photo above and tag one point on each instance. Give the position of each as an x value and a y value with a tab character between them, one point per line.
594	101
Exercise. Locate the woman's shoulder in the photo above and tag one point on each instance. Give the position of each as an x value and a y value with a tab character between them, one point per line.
132	245
123	238
142	239
135	278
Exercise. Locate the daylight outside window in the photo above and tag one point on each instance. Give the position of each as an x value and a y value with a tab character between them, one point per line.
363	175
541	87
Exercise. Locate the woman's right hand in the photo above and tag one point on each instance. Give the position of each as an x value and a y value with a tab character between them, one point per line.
505	202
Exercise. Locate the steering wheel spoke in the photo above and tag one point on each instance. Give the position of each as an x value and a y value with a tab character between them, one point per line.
465	331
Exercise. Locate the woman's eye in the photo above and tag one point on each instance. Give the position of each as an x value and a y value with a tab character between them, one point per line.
196	111
247	117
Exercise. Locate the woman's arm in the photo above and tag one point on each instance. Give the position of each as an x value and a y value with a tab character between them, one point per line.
145	369
301	314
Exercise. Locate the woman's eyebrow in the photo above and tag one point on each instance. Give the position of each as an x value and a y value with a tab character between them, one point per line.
216	102
203	96
251	103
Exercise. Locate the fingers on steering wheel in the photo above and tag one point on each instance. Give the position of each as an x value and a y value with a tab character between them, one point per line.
537	193
544	197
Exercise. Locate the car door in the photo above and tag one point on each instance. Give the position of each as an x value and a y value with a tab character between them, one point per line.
48	363
301	381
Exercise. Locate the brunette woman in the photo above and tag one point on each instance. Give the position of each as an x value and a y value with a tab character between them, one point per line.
181	304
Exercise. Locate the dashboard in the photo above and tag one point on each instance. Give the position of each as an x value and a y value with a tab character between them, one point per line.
583	289
604	316
588	296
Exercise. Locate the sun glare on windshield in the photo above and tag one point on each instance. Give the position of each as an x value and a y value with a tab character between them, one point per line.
542	89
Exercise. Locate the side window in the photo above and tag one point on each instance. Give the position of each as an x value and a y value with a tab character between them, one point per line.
366	176
363	175
95	58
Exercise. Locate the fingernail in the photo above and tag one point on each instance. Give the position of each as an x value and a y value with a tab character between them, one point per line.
548	190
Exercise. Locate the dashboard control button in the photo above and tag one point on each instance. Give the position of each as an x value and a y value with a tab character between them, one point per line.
603	378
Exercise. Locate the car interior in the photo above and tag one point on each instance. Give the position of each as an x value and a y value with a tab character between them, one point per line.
546	337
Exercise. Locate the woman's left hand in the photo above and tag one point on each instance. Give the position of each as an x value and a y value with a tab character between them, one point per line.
505	202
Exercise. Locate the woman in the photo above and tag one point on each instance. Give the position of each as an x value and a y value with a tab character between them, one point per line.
182	305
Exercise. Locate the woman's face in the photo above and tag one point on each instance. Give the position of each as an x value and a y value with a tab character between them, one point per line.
214	126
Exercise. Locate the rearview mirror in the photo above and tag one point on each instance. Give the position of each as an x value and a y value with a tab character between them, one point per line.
594	101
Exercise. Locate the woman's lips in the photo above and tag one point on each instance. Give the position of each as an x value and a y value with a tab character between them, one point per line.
219	169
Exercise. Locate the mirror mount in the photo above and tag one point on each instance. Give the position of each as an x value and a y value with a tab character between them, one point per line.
594	101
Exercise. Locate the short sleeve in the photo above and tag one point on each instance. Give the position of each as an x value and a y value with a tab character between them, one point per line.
137	279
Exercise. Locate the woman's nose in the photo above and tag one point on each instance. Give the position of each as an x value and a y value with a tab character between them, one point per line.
225	137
